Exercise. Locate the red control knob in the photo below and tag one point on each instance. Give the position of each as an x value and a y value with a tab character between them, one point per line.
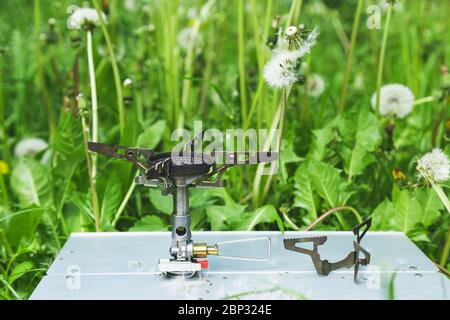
203	264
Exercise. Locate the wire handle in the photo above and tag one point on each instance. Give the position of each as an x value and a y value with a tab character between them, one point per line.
265	259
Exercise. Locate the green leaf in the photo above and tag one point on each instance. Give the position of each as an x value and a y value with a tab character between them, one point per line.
160	202
382	215
303	193
288	155
30	182
152	135
149	223
321	138
111	200
23	225
68	144
407	212
20	270
430	204
265	214
223	217
328	183
360	136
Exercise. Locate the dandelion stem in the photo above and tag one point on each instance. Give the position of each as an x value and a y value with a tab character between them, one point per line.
5	149
437	124
10	288
294	11
4	193
274	165
241	46
124	202
381	59
188	64
93	99
441	194
289	221
348	65
255	101
260	167
445	252
94	198
40	71
4	240
331	211
115	68
423	100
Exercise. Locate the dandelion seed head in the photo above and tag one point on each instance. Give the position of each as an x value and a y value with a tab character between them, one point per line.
185	37
395	99
434	166
280	71
396	5
316	85
130	5
83	17
29	147
292	30
307	44
127	82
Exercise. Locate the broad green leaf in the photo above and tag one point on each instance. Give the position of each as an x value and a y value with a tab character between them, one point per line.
303	193
288	155
152	135
149	223
223	217
111	200
30	182
430	204
407	212
328	183
198	198
160	202
23	224
382	215
20	270
360	136
265	214
321	138
68	144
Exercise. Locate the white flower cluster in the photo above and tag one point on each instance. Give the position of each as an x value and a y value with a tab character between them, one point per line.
83	17
434	166
281	70
29	147
395	99
315	84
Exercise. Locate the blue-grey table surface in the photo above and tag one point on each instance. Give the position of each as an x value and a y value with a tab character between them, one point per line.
124	266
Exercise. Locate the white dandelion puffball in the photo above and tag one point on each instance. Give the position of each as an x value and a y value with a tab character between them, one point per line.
434	166
280	71
395	99
308	43
83	17
292	30
396	6
29	147
315	84
185	37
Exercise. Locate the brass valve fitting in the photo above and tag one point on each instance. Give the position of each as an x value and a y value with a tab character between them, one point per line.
202	250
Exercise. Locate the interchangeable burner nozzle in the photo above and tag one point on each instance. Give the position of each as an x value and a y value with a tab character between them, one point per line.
202	250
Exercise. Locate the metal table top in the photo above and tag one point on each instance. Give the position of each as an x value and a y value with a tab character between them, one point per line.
124	266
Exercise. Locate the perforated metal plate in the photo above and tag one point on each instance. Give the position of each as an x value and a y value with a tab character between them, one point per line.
124	266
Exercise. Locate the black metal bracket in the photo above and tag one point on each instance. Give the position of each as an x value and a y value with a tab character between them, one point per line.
324	267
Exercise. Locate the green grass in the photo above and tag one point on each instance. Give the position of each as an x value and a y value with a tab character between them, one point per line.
336	153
